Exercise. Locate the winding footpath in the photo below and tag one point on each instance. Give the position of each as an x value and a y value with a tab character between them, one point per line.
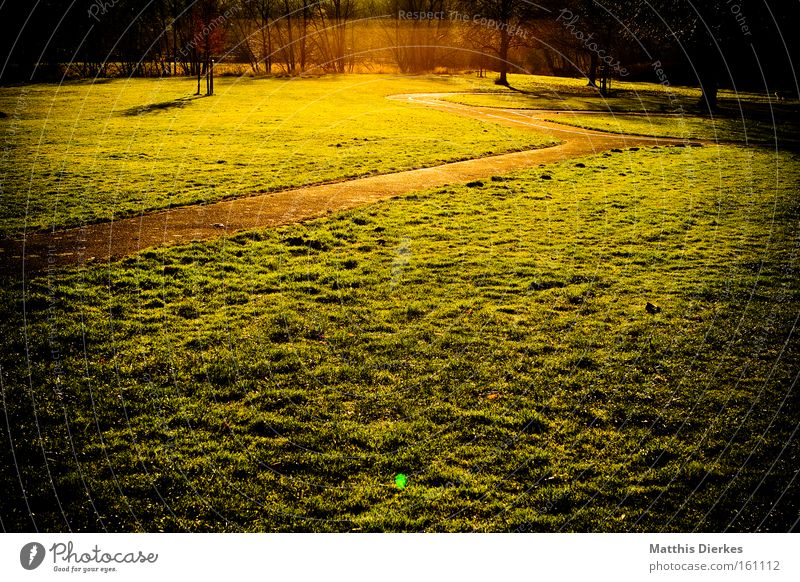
37	252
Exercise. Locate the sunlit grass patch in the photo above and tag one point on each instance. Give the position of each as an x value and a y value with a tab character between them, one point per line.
491	343
82	152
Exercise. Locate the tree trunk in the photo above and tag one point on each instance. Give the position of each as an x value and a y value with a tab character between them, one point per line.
709	98
707	58
174	45
505	41
593	69
268	62
707	78
289	48
604	80
199	74
303	35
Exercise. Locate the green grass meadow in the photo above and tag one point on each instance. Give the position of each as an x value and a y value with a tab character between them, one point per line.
489	341
718	130
662	111
572	94
85	152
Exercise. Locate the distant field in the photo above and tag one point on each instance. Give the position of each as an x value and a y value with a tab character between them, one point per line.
668	112
84	152
490	341
541	92
785	134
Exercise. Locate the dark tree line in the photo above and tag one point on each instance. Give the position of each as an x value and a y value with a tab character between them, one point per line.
743	43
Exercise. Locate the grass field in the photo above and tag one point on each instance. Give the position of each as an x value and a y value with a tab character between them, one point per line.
666	111
538	92
722	129
572	94
83	152
155	145
489	341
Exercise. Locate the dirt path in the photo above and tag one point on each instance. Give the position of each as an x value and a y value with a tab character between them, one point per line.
104	241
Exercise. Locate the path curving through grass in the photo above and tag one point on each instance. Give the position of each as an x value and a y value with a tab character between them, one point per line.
32	253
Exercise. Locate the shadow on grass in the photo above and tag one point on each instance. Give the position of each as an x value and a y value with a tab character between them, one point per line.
179	103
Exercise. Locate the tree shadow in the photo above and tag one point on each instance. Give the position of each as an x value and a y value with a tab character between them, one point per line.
178	103
586	91
510	87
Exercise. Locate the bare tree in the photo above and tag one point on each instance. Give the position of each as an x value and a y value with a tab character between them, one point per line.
500	25
416	41
331	32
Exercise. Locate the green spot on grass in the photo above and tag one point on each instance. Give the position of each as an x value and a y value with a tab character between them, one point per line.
400	481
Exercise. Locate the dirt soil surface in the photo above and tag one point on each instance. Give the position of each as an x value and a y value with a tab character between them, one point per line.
33	253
